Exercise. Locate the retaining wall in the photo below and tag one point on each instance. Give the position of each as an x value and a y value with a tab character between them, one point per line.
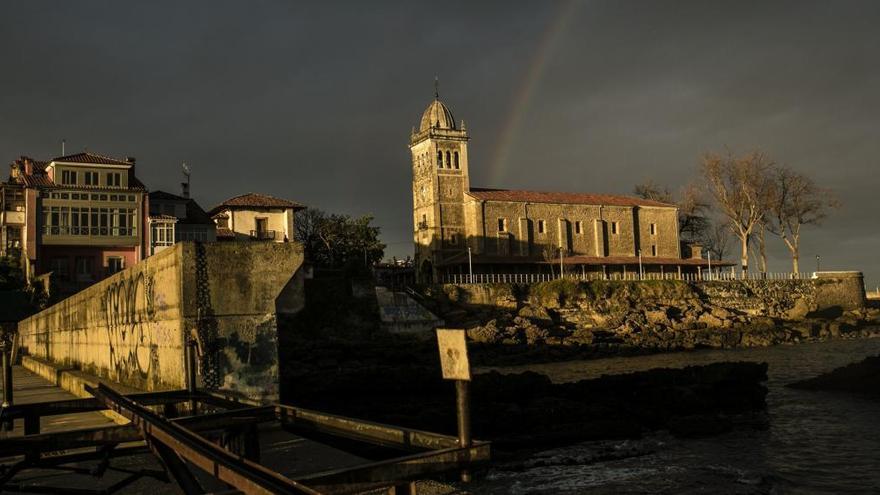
790	299
131	328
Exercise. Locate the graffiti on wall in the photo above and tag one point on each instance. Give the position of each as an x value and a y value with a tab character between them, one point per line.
128	309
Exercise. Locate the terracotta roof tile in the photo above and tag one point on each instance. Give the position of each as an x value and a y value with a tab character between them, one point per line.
163	217
254	200
561	198
224	233
86	157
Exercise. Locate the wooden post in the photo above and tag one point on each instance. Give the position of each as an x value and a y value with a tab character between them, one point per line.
191	367
7	384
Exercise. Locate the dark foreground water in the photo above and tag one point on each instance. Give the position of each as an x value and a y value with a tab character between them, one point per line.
817	442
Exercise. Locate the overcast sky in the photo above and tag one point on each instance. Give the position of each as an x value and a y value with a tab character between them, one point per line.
314	101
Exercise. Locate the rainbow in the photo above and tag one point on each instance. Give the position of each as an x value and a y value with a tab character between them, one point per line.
526	89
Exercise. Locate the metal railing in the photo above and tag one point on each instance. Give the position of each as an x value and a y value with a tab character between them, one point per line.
263	235
533	278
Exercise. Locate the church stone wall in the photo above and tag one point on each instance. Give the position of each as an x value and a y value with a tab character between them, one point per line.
621	243
666	236
560	228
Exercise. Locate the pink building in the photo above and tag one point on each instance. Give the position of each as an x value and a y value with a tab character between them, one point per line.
81	217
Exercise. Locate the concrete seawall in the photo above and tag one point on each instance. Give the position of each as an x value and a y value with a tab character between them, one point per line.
132	327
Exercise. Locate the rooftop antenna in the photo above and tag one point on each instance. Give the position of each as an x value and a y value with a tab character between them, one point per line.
436	87
185	185
63	142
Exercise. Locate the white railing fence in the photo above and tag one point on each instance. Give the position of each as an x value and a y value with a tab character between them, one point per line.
533	278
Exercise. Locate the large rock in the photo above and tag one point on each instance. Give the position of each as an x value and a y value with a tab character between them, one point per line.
486	334
535	312
799	309
861	378
657	316
710	320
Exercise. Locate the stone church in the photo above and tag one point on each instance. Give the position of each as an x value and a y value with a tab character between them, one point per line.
513	231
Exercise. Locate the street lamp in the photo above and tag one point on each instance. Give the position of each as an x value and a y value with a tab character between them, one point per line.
709	253
561	266
641	272
470	267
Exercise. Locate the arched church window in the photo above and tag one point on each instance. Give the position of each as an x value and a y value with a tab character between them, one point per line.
439	159
456	160
448	160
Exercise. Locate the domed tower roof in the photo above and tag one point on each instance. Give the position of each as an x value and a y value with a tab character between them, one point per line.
437	115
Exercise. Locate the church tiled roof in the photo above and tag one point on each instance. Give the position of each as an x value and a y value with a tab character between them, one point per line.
561	198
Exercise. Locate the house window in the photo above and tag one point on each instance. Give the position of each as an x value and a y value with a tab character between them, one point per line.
83	269
502	225
163	234
456	160
448	160
60	267
90	178
615	228
540	226
13	237
577	228
115	264
114	179
439	159
653	250
68	177
653	229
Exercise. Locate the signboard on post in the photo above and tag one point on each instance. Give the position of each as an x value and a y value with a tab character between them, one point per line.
453	354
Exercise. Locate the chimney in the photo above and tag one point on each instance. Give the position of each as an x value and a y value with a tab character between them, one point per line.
28	166
131	159
184	188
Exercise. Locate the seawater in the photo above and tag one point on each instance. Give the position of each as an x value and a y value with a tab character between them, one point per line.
817	442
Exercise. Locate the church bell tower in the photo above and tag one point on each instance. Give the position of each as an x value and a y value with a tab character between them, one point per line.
440	182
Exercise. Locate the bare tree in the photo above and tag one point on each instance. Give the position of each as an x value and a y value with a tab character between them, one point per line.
760	237
798	201
716	239
742	190
653	191
692	207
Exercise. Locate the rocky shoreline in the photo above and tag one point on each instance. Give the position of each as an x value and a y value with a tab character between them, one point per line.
566	320
336	357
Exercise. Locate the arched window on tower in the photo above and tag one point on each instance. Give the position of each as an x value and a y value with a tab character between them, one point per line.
456	160
448	160
439	159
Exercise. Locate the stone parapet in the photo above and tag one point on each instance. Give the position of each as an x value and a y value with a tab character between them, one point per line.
132	327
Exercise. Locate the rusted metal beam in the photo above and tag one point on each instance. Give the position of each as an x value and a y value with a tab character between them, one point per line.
407	439
108	435
175	465
242	474
386	473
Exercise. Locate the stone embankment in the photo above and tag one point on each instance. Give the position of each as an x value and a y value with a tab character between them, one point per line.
563	318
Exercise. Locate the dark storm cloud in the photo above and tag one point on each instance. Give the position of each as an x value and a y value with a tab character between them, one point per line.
314	101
